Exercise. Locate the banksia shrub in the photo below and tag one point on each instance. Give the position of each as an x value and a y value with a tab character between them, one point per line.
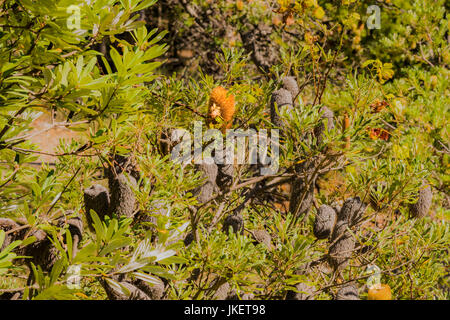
221	105
420	208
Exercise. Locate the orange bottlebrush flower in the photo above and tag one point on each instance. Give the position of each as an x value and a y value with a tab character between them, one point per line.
380	292
378	106
221	104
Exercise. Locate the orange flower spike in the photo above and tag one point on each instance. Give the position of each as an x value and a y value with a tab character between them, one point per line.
221	104
380	292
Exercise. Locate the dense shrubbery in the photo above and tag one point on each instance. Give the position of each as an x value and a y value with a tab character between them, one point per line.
363	138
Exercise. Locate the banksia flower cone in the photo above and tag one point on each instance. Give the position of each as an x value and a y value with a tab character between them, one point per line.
380	292
221	104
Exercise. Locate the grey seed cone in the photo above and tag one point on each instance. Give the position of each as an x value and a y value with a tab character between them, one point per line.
235	221
352	210
222	292
348	292
75	225
341	251
325	221
304	292
125	164
224	176
337	206
96	198
281	98
42	251
328	117
234	296
205	192
123	200
188	238
262	236
302	190
154	292
290	84
115	294
422	206
298	188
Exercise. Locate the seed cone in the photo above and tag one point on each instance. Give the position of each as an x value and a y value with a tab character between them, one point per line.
225	174
422	206
235	221
328	117
342	241
262	236
7	225
290	84
155	292
123	200
352	210
341	251
221	104
205	192
325	221
348	292
281	99
302	190
96	198
373	199
114	293
304	292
